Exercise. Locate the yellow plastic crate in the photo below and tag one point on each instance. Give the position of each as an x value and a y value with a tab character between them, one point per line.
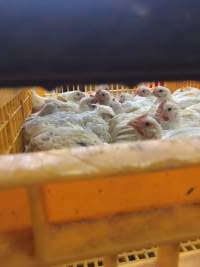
15	106
74	204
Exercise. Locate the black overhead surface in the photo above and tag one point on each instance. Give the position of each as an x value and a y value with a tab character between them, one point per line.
55	41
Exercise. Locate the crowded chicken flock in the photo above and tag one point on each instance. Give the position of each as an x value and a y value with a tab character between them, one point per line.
74	119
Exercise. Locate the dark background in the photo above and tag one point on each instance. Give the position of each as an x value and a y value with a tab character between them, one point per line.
47	42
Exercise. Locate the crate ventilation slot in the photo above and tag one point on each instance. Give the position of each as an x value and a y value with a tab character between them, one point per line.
135	256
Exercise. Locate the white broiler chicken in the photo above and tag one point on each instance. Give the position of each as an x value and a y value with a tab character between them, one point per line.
183	101
182	133
187	91
39	101
144	91
39	124
61	137
87	103
187	101
32	128
194	108
57	130
126	97
143	95
72	96
170	116
148	128
162	93
142	102
119	130
116	106
133	108
98	121
103	97
128	103
56	106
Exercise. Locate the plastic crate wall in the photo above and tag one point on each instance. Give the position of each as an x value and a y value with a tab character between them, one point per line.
15	106
12	103
117	89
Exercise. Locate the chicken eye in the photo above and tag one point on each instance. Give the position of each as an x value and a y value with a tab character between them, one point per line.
78	94
160	91
147	123
103	94
169	109
143	91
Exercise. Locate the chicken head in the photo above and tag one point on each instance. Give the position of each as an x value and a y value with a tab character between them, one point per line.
162	93
146	127
143	91
103	97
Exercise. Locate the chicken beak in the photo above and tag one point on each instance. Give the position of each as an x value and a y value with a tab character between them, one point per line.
165	118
